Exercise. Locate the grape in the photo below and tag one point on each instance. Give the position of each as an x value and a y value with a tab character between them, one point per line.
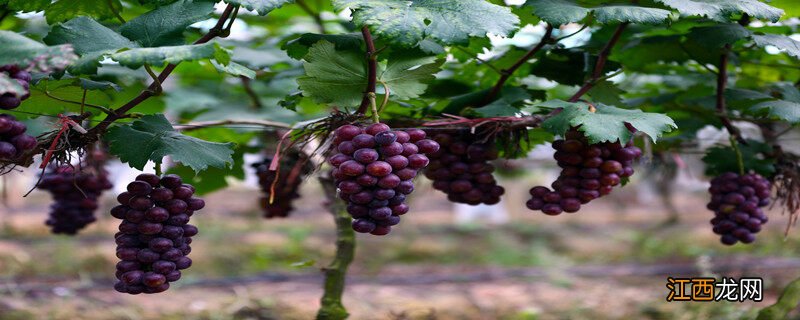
736	201
152	244
588	171
460	167
9	100
75	192
294	167
376	179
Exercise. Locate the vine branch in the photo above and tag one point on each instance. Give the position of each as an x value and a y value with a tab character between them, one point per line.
120	112
505	74
722	111
602	58
205	124
372	70
336	271
250	92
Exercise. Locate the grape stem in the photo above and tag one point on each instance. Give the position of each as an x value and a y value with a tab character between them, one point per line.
722	82
739	159
374	105
335	273
505	74
602	58
372	70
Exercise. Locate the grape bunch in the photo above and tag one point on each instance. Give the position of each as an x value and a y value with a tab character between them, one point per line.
9	100
736	201
294	167
154	237
373	171
75	194
588	171
13	140
462	169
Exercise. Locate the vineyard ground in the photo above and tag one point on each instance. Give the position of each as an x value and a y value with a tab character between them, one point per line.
609	262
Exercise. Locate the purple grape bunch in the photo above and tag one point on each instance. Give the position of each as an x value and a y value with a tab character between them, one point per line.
588	171
462	169
154	236
9	100
294	167
737	201
374	171
75	194
13	140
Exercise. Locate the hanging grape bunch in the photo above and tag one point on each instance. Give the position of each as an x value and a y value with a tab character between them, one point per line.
374	170
462	169
588	171
154	237
75	191
13	140
294	167
737	201
9	100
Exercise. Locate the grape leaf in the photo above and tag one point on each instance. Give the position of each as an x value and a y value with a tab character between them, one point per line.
17	49
298	48
46	92
27	5
164	26
607	123
136	57
263	7
779	109
407	23
784	43
606	92
721	10
559	12
213	179
408	76
721	159
92	41
234	69
340	77
152	138
63	10
641	53
331	76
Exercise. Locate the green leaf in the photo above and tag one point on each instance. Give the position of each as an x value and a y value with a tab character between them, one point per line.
190	100
641	53
28	5
337	77
449	22
407	76
234	69
88	84
784	43
787	303
164	26
721	159
213	179
44	95
559	12
263	7
567	66
606	92
92	41
135	58
63	10
779	109
607	123
722	10
17	49
504	105
298	48
717	36
152	138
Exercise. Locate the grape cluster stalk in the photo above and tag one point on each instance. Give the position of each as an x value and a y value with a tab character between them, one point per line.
13	140
154	236
462	169
374	171
9	100
75	192
589	171
737	201
293	169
